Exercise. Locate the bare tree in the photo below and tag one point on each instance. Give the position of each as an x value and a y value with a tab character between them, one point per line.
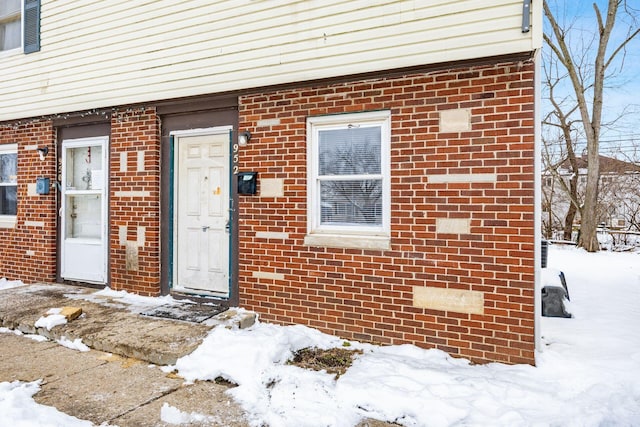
587	76
552	202
559	151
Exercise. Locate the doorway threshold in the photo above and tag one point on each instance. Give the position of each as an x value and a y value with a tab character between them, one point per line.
188	311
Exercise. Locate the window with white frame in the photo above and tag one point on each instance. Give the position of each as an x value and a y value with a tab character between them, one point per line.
20	25
349	180
8	183
10	24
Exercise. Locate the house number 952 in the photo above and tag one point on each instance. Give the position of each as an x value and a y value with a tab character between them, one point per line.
235	159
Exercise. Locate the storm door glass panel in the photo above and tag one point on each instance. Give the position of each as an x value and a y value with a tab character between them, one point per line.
8	183
350	176
84	168
83	216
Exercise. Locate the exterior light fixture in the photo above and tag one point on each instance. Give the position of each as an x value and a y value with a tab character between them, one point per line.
243	138
43	151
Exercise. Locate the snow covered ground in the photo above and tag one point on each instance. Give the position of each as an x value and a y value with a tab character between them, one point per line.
587	374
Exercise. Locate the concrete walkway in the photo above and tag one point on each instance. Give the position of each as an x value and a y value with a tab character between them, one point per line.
117	382
113	383
104	388
109	324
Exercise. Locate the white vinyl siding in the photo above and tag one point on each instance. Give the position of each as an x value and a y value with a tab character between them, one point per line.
101	54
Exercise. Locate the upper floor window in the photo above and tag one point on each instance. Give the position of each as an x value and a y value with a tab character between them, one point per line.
10	24
349	180
8	184
20	25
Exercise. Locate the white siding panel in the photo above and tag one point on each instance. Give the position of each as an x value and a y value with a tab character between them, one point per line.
101	54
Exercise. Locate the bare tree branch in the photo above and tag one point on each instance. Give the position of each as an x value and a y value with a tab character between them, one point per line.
586	64
621	46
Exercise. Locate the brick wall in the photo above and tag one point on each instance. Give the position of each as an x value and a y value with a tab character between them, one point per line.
28	250
369	294
135	201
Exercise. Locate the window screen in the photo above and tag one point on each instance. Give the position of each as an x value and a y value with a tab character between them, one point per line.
350	175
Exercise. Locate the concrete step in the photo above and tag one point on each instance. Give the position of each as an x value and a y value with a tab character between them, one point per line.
110	325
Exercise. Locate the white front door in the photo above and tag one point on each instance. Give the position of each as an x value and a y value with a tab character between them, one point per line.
201	239
83	210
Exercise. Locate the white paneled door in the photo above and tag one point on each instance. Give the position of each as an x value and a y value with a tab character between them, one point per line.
83	210
201	222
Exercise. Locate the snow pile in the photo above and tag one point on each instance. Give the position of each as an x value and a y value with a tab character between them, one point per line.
18	408
73	345
172	415
38	338
51	320
123	299
588	374
270	390
7	284
4	330
234	315
551	277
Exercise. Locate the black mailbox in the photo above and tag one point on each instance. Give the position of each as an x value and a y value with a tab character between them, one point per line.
247	182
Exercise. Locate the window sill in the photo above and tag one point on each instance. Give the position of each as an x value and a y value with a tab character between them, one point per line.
10	52
8	222
348	242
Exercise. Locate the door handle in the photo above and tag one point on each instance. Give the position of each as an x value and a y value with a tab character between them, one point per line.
227	226
205	227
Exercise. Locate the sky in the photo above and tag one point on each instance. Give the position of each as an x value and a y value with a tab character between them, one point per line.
580	17
587	373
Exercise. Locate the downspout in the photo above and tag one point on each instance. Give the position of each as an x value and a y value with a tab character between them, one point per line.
536	39
537	211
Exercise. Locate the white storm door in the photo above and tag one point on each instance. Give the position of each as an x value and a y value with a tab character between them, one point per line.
83	210
202	212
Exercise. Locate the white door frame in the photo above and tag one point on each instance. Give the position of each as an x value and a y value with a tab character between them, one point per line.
174	220
98	246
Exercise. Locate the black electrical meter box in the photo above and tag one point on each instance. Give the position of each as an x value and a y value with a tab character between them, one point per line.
247	182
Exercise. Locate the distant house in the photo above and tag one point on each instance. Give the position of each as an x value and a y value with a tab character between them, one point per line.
364	168
619	195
